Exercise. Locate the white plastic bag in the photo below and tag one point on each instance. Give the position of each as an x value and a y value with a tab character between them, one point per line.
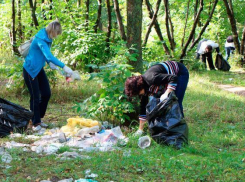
25	47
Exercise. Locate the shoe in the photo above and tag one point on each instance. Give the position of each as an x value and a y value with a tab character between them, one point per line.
42	124
36	128
138	133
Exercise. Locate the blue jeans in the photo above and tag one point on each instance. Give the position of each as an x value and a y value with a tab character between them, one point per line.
40	94
228	51
183	78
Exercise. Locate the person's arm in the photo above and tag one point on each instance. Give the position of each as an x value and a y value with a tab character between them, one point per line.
48	55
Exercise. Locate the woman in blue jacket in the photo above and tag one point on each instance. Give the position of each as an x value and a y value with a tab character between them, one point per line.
34	74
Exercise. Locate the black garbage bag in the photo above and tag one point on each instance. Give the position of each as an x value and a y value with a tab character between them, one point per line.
13	118
221	63
166	123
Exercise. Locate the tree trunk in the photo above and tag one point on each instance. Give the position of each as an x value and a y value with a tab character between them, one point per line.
157	28
13	32
167	21
205	26
183	53
186	18
50	8
98	16
43	12
108	35
87	15
242	51
119	20
20	31
33	12
134	30
195	14
78	3
152	22
231	17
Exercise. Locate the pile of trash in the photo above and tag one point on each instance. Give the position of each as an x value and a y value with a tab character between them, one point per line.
79	133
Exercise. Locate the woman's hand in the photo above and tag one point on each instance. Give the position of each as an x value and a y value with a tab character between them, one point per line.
68	71
165	95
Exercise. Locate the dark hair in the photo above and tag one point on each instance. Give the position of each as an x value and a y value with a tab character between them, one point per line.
229	39
209	48
134	85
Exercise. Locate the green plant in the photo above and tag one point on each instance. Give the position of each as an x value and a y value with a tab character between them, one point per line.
109	102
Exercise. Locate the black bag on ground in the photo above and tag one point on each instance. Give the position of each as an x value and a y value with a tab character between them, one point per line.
221	63
13	118
166	124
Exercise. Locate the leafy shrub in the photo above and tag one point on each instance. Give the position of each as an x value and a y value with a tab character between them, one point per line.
110	103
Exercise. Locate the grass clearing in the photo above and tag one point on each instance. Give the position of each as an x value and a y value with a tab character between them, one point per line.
216	121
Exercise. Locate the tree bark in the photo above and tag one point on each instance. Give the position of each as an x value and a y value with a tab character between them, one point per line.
33	12
20	31
243	42
119	20
195	14
134	30
231	17
183	53
157	28
108	35
169	29
186	18
78	3
152	22
87	15
205	26
13	32
98	16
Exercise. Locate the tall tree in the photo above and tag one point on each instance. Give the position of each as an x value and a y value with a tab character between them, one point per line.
205	25
13	31
119	20
98	16
154	18
20	31
231	16
43	11
33	12
169	25
186	18
157	27
109	26
87	15
183	53
134	29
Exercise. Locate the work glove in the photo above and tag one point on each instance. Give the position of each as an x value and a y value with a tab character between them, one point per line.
53	66
163	96
68	71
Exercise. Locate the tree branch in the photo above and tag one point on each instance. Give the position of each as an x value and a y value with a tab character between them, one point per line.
186	18
205	26
152	22
157	28
98	16
119	20
192	31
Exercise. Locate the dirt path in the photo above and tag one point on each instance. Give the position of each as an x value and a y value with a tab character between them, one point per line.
233	89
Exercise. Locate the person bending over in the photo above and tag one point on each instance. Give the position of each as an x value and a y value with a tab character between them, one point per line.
158	81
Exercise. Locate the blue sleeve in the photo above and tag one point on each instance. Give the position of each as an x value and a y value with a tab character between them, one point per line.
47	53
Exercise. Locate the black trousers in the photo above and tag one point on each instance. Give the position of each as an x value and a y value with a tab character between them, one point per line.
209	57
40	94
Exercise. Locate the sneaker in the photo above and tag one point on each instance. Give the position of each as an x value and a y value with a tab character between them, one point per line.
36	128
138	132
42	124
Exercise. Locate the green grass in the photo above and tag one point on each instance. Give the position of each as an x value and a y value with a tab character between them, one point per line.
216	121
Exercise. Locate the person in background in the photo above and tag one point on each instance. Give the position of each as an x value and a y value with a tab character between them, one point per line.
34	74
205	48
229	47
158	81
